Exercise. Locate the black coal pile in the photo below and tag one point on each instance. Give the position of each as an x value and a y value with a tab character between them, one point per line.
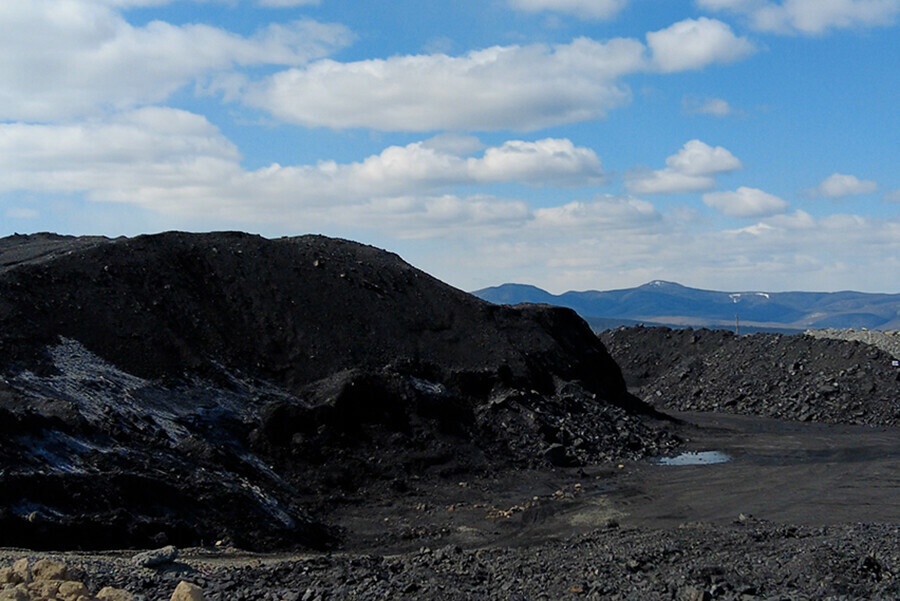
795	377
186	389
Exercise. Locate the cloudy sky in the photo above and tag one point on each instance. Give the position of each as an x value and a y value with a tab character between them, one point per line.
569	144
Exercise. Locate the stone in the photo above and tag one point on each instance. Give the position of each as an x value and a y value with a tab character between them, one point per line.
48	569
72	590
556	455
9	576
13	594
43	589
109	593
155	557
22	568
691	593
185	591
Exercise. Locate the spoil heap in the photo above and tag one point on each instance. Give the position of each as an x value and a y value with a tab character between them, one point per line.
184	389
797	377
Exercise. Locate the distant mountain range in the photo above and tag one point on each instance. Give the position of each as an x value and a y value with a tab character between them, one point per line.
667	303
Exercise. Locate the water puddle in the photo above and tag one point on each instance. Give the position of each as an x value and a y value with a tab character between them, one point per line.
695	458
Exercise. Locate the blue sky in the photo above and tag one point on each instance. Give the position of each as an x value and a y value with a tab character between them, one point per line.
569	144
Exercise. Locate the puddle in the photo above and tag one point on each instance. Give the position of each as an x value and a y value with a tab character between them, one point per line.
695	458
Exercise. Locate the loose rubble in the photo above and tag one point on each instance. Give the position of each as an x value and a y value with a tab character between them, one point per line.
749	560
888	341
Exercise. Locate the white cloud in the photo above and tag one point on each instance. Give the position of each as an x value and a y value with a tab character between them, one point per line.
428	217
798	220
716	107
698	158
692	169
513	87
586	9
176	162
745	202
810	17
695	44
892	196
592	217
837	185
156	147
70	58
548	161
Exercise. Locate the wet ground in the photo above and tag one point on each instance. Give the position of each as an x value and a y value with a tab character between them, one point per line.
810	474
780	472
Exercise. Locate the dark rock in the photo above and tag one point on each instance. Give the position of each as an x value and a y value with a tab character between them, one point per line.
556	455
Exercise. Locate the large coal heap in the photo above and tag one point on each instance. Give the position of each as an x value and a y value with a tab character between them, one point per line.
292	310
195	387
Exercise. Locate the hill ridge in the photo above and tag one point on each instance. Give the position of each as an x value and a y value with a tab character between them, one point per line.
661	302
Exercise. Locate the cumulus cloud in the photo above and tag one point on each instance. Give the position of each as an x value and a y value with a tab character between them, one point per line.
586	9
696	43
548	161
600	214
71	58
519	88
692	169
745	202
427	217
810	17
838	185
156	147
174	161
716	107
509	87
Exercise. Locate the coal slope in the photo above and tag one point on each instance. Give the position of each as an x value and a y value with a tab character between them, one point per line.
191	388
796	377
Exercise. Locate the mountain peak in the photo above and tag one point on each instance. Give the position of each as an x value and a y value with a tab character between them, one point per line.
662	284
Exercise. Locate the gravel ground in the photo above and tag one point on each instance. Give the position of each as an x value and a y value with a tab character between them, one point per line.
748	560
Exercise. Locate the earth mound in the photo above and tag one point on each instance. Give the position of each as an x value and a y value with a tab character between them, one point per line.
192	388
797	377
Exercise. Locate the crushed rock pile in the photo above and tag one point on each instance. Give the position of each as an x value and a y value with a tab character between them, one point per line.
795	377
190	388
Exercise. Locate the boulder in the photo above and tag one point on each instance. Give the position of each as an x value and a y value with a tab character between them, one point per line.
72	590
109	593
9	576
155	557
48	569
186	591
22	569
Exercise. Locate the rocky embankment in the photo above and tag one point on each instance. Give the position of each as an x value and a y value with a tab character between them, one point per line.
193	388
798	377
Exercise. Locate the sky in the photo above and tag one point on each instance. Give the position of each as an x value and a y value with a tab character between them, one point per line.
569	144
